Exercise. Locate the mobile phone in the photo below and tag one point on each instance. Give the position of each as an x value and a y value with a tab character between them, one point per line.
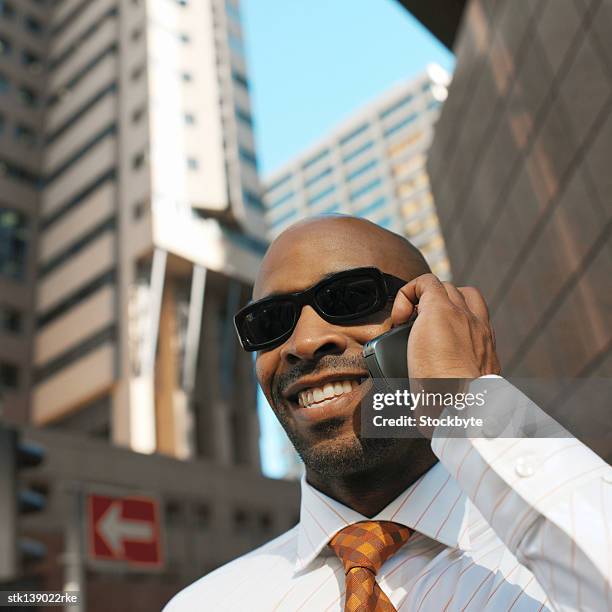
387	355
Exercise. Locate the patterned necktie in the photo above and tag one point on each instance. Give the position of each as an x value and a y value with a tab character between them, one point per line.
363	548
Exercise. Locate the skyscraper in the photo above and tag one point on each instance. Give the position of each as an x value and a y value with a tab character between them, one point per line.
372	166
131	222
131	229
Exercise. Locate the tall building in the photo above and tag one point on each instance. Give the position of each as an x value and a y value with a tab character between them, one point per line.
131	222
131	229
372	166
520	171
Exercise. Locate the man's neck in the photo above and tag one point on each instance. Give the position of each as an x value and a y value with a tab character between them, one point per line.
368	492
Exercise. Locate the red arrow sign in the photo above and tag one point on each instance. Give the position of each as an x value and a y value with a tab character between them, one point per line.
125	529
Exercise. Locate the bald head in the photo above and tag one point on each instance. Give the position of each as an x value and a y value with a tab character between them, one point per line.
311	248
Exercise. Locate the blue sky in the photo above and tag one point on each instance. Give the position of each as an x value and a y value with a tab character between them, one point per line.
312	62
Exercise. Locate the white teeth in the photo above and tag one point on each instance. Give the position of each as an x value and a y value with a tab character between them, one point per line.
328	391
321	395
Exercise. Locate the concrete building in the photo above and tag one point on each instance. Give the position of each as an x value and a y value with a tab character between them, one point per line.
131	221
520	171
372	166
131	228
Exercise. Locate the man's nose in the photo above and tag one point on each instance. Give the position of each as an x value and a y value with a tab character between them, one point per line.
312	338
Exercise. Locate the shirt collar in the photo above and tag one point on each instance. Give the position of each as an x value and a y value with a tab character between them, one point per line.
434	505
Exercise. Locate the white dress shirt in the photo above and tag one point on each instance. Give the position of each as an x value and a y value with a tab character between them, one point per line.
500	524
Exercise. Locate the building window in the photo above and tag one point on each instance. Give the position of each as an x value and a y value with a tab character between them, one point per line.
187	77
284	198
401	124
5	46
358	151
136	34
138	114
203	515
265	521
137	73
192	163
182	2
280	182
313	160
7	9
244	118
334	208
2	124
285	218
13	243
365	189
11	319
240	519
4	84
370	208
31	61
190	119
18	173
138	161
32	25
321	195
185	38
28	96
25	135
235	43
352	135
317	177
239	78
253	200
9	375
399	104
362	170
248	157
139	209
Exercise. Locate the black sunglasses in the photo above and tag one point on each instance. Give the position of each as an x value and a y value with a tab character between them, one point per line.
339	298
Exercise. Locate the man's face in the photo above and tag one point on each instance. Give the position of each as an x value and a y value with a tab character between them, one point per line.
319	356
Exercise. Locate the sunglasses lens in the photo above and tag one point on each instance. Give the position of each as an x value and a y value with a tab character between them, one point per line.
349	297
268	322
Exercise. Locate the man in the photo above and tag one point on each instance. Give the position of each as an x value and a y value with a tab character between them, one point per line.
402	524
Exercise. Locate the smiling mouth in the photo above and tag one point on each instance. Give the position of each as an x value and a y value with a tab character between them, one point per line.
320	396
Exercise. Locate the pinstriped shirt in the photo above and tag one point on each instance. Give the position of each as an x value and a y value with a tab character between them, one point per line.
500	524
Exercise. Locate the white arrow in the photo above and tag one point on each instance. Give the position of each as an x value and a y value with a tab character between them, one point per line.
115	529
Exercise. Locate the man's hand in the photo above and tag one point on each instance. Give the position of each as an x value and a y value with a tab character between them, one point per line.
452	336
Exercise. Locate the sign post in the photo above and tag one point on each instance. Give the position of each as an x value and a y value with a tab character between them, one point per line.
124	530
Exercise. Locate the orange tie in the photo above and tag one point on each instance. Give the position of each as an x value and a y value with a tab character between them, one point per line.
363	548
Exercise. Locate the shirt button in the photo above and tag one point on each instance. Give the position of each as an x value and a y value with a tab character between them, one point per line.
524	467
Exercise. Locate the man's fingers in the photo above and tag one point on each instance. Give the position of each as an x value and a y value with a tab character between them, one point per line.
422	287
454	295
418	291
402	309
475	302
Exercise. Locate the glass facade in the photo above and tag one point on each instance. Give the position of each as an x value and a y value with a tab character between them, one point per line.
13	244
